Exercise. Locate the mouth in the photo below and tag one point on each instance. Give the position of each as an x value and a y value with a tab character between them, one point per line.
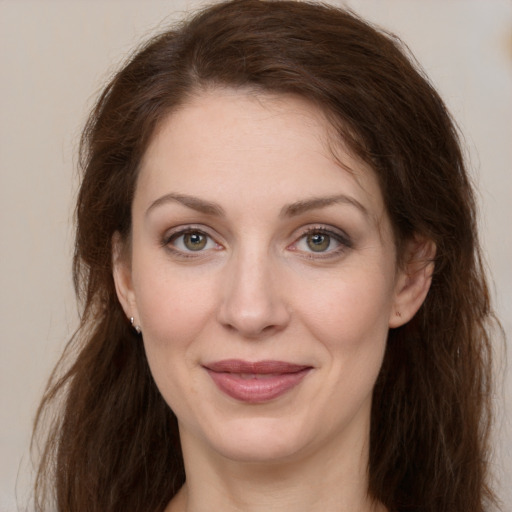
256	382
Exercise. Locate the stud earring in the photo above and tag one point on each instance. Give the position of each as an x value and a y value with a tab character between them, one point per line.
136	327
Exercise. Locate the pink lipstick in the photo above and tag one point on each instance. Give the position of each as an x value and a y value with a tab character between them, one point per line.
256	382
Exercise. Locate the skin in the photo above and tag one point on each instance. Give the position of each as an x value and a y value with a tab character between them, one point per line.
260	289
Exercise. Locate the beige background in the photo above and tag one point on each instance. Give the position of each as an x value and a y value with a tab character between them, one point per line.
54	57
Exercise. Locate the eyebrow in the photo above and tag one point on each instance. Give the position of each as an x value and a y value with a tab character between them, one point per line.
316	203
200	205
290	210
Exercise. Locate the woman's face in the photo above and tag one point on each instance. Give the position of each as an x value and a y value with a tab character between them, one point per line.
263	275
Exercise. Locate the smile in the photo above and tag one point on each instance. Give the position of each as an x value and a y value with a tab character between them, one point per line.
256	382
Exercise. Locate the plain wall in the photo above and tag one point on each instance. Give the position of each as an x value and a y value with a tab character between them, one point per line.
55	56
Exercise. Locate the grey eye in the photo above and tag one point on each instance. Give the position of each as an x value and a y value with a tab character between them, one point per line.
318	242
195	241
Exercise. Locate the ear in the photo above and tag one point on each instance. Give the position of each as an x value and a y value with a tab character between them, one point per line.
122	273
413	280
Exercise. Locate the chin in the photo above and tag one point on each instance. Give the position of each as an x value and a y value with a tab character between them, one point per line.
258	440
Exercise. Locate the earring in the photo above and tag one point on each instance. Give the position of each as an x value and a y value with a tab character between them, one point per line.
136	327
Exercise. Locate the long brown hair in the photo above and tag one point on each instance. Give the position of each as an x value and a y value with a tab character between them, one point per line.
113	443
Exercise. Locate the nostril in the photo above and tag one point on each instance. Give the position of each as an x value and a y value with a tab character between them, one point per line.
270	328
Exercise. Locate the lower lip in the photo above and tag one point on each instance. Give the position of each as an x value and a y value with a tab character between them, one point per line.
257	388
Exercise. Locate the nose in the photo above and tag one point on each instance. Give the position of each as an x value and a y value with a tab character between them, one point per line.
253	302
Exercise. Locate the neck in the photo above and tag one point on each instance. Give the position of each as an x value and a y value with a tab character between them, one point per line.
321	481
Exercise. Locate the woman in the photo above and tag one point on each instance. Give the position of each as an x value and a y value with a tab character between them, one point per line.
283	299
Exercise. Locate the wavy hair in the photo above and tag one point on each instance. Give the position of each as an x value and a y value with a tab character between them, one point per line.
110	441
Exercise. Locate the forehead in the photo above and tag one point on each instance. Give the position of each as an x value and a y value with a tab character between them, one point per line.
226	141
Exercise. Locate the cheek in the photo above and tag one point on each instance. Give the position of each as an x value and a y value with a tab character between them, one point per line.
175	311
350	322
173	305
351	312
349	319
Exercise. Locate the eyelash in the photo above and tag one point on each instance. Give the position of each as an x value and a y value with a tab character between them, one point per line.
170	238
341	238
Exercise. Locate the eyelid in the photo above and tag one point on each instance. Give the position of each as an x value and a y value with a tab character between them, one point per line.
337	234
183	230
174	233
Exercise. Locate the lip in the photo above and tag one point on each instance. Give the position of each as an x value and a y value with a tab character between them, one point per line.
256	382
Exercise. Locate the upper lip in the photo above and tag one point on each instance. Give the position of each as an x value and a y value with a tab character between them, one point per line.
257	367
